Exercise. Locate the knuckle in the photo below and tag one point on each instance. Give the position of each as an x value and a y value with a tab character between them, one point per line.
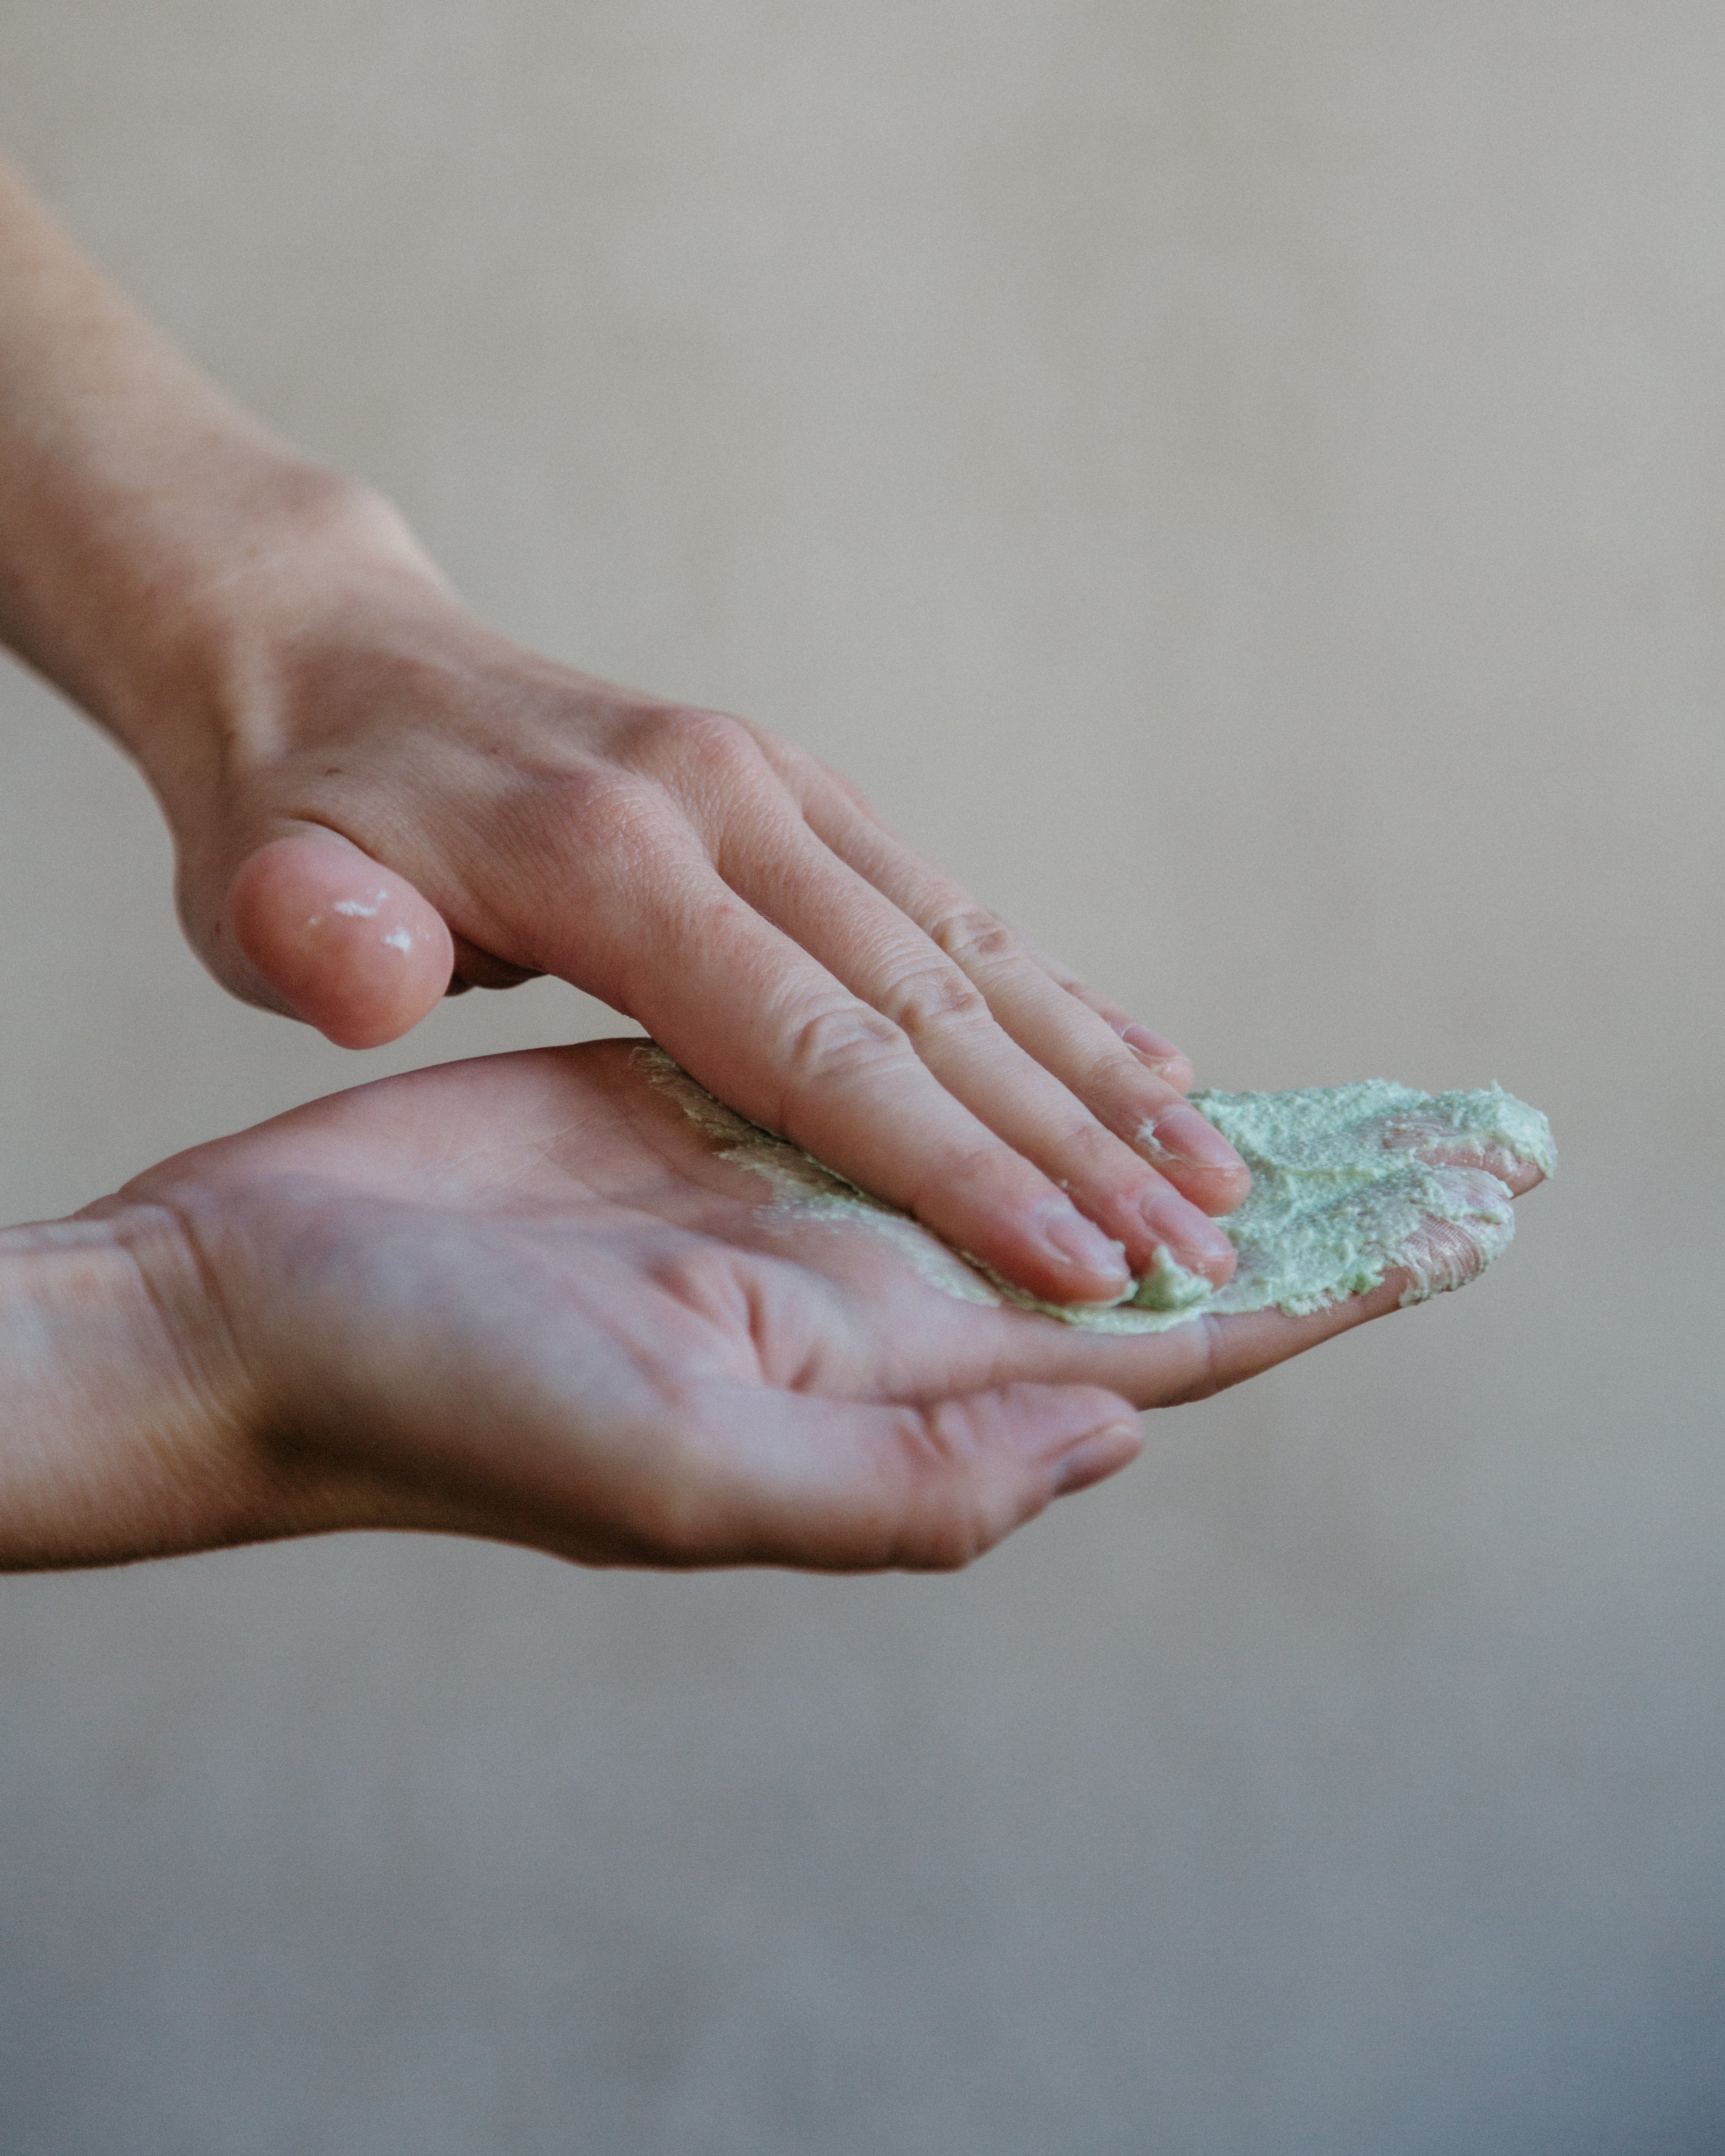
1090	998
590	809
1209	1376
1095	1156
843	1043
663	1528
794	765
676	742
953	1545
848	789
1115	1065
952	1521
954	1532
932	995
667	1517
1062	974
970	934
967	1171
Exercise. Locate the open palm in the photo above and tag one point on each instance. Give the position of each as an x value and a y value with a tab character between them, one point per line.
525	1297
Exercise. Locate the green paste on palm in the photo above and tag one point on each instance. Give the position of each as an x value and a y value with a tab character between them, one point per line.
1350	1184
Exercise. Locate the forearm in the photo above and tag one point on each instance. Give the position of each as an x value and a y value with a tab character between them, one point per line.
121	1412
140	503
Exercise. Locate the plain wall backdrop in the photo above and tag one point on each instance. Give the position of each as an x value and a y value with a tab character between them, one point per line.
1243	482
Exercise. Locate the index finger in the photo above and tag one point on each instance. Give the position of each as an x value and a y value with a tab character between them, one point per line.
747	1012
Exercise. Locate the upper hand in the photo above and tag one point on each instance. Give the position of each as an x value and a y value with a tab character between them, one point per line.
406	801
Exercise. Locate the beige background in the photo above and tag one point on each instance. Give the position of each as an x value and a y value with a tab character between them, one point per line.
1243	484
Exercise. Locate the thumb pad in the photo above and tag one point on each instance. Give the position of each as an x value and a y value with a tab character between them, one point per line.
350	948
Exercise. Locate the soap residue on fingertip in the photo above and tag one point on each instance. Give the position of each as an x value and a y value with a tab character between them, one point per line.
1349	1184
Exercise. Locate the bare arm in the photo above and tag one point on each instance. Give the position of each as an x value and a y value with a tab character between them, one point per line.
135	492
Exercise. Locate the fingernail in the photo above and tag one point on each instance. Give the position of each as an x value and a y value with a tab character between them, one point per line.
1181	1133
1192	1236
1150	1045
1094	1458
1076	1241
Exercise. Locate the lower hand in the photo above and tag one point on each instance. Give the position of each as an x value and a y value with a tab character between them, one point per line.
522	1297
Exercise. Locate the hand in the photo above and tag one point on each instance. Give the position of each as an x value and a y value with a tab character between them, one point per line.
403	794
371	793
522	1297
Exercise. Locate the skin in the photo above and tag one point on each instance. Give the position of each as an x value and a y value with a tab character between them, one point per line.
376	799
523	1298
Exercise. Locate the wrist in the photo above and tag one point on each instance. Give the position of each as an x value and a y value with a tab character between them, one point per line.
204	689
125	1408
143	512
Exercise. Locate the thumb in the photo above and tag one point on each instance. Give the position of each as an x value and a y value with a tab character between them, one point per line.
350	947
850	1486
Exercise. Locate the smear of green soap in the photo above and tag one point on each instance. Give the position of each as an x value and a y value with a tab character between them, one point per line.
1349	1183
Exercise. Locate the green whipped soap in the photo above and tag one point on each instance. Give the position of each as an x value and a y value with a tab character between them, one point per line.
1349	1183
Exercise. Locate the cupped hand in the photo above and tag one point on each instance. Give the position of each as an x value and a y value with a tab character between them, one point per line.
405	802
526	1298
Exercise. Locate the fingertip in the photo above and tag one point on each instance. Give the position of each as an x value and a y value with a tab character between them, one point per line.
1189	1235
1104	1452
1088	1433
1001	1457
1226	1191
1004	1214
348	945
1076	1261
1188	1149
1068	1436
